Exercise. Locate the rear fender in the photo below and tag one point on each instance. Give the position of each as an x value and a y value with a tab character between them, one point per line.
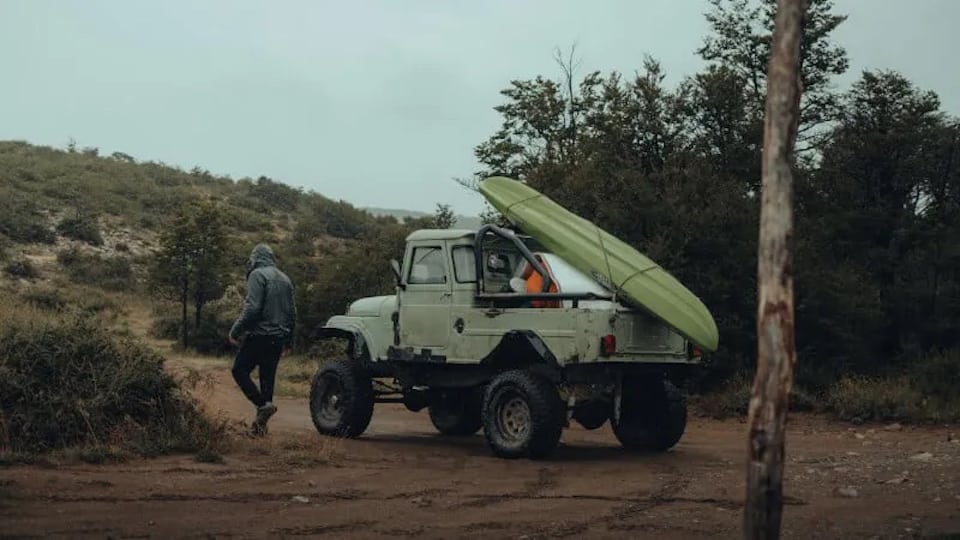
521	349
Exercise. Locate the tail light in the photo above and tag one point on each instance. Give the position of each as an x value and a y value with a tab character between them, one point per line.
694	351
608	345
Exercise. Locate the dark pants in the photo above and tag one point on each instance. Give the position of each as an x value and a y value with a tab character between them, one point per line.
262	351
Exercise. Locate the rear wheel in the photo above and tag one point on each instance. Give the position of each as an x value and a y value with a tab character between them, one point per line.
653	416
523	415
341	399
457	412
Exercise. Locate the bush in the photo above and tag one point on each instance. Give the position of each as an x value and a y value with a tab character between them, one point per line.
733	399
67	382
864	399
45	299
81	300
84	229
5	244
938	374
111	273
210	337
22	268
25	227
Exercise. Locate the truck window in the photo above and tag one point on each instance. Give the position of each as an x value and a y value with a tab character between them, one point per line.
464	264
427	266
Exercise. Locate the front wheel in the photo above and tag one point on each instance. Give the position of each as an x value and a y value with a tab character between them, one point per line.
341	399
653	416
523	415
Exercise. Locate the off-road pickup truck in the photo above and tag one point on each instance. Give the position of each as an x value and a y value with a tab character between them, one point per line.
464	340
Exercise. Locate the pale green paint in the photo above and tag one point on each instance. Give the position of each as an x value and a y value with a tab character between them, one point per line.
428	313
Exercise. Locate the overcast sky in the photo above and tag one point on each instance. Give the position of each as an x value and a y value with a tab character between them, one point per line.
378	102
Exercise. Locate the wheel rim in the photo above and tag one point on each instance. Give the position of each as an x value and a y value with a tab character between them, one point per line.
513	416
330	406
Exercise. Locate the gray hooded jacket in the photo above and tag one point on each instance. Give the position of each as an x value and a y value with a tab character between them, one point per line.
269	308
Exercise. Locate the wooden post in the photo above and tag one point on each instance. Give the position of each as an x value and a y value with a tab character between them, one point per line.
776	353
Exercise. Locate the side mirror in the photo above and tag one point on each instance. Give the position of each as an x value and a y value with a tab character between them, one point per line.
395	266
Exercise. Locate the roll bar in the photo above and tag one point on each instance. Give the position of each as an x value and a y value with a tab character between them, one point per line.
524	250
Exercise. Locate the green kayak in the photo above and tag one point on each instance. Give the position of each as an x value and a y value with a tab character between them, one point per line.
614	264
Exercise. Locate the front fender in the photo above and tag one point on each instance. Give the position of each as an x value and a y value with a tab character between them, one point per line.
362	343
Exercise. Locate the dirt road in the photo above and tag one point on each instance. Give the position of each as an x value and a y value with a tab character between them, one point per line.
401	479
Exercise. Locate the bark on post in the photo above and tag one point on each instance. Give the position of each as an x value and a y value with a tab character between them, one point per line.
776	352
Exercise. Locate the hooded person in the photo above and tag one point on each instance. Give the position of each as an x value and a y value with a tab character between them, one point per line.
266	325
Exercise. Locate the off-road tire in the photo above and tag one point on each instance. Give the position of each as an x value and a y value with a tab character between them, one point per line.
653	416
458	415
349	415
515	394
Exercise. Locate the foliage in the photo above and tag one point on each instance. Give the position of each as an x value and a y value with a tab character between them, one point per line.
21	220
209	337
66	381
81	227
191	264
676	172
21	268
740	39
340	273
110	273
39	180
444	218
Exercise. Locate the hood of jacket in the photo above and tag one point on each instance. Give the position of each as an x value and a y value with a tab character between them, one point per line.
260	257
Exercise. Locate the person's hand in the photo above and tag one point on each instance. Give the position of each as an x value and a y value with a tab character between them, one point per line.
232	341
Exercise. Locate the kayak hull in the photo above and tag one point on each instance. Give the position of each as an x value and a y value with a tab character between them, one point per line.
607	259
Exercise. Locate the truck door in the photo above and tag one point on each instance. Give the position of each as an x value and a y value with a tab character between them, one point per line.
425	302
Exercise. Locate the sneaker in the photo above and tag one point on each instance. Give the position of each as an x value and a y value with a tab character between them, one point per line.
257	430
264	412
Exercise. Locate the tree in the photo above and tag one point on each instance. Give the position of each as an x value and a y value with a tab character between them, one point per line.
443	217
879	212
776	352
740	38
190	265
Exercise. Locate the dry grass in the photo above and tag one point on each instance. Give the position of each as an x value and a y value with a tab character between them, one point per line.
296	451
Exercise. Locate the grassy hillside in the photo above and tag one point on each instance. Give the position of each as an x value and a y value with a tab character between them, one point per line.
42	184
73	219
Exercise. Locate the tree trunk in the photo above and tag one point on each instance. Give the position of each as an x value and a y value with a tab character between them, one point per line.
198	307
776	354
183	318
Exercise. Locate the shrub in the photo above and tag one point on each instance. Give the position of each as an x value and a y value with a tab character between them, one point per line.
22	268
46	299
111	273
25	226
733	399
865	399
67	382
84	229
210	337
81	300
937	375
5	244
